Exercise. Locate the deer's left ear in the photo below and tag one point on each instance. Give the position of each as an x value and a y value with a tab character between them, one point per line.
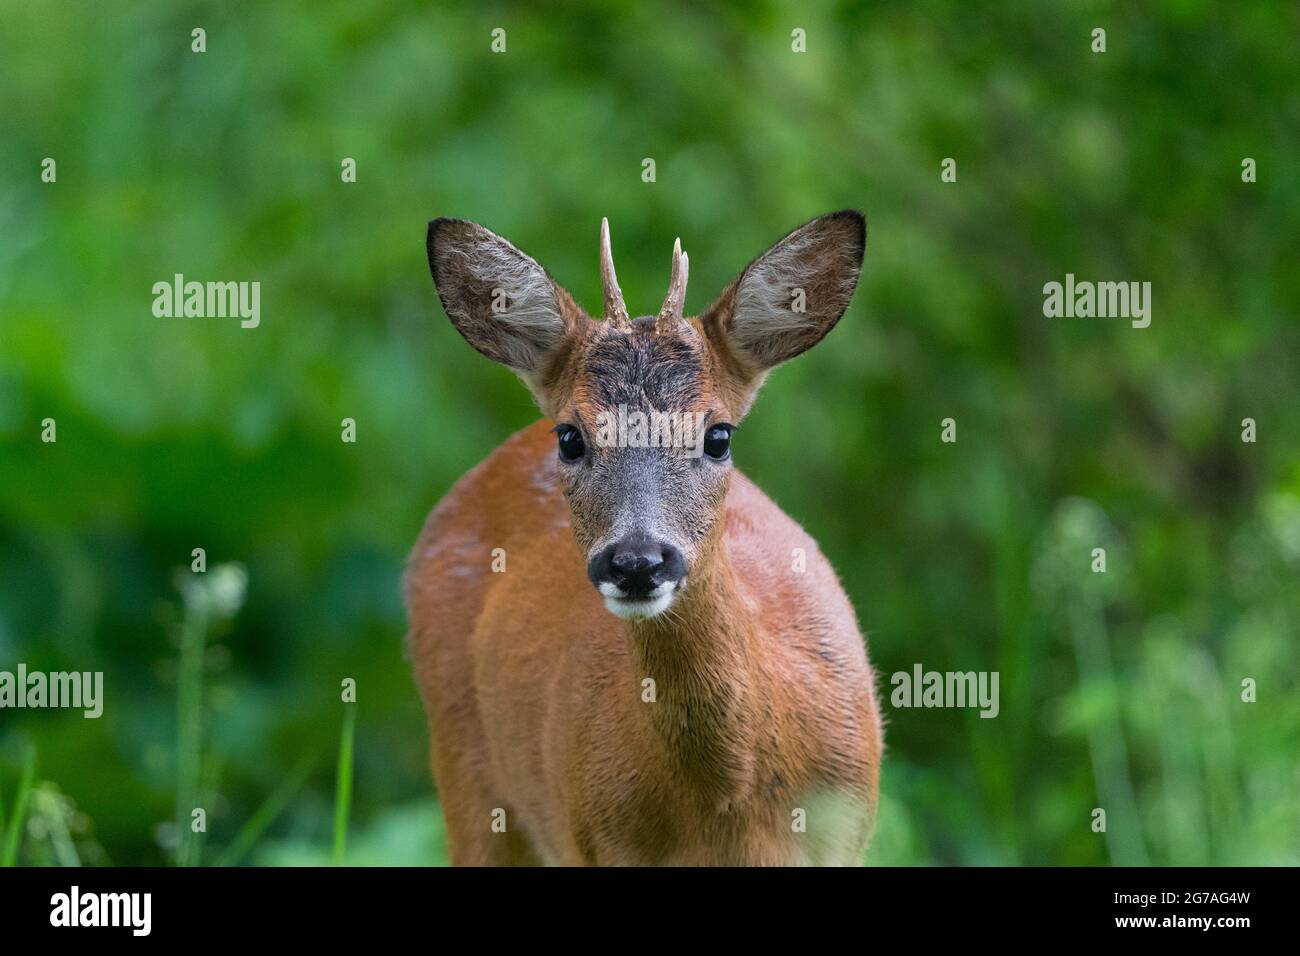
788	298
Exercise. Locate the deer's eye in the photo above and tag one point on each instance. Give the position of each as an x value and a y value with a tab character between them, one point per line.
717	442
571	443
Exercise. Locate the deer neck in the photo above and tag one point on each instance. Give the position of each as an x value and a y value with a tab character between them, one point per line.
704	657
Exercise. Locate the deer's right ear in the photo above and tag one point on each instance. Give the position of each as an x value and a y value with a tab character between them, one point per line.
499	299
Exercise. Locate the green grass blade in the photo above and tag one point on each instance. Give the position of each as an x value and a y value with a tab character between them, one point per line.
343	787
266	814
13	834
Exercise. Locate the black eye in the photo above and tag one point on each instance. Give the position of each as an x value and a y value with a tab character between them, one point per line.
717	442
571	443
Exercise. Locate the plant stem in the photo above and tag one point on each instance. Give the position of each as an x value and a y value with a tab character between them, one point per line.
343	788
189	721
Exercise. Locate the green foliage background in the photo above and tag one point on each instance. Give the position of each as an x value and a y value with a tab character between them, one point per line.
1120	691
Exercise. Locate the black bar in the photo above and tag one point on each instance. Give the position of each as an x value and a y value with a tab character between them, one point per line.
333	906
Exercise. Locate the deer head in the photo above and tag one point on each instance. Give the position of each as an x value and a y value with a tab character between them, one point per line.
645	407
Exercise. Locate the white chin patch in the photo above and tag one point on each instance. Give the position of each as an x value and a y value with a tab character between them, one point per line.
630	609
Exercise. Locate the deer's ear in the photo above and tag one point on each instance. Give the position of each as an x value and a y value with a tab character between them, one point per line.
499	299
788	298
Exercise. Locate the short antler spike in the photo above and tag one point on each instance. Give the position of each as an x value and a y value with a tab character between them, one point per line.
615	307
676	298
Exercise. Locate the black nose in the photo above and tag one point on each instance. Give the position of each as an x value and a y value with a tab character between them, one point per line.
637	565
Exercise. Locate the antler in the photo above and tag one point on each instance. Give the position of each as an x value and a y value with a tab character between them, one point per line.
676	298
615	307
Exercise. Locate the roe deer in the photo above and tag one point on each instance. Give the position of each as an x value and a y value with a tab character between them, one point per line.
708	700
